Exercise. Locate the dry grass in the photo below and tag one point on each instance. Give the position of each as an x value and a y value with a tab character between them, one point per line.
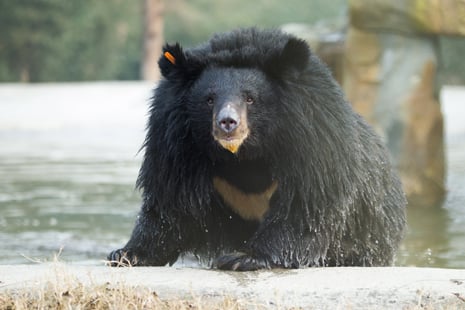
64	291
78	296
107	296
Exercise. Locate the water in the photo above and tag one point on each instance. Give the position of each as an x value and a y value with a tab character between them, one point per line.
69	160
436	236
68	163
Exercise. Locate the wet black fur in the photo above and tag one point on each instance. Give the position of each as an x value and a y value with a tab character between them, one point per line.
338	200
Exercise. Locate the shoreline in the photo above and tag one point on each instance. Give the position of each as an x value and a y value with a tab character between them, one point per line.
320	288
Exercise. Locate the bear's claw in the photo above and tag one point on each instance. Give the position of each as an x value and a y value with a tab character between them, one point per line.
121	258
240	262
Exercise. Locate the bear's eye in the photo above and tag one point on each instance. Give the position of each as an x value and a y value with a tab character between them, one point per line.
210	101
249	100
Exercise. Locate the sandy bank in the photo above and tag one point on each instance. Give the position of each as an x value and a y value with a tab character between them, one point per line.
319	288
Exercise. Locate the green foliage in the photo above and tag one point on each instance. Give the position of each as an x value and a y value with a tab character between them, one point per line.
27	36
193	21
60	40
63	40
100	43
56	40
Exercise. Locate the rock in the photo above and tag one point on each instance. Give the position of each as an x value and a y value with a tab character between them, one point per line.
409	16
362	75
390	78
422	161
319	288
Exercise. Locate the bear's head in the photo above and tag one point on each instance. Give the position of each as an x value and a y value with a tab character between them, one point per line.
232	88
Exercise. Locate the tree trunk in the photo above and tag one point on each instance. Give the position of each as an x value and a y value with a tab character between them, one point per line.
153	38
24	75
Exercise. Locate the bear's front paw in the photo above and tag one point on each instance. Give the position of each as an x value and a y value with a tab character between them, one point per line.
240	262
121	258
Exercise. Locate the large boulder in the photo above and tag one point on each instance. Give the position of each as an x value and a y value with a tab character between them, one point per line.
390	78
409	16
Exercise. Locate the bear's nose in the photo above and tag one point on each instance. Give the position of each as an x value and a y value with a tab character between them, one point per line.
228	124
228	120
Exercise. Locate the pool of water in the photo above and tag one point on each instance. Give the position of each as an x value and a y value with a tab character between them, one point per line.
69	160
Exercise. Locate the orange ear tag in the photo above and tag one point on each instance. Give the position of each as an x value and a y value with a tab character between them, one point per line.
170	57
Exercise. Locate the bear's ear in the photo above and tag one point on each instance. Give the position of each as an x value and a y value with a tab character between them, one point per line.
174	65
171	61
294	56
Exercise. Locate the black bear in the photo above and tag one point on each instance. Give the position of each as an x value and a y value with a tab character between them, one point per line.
254	159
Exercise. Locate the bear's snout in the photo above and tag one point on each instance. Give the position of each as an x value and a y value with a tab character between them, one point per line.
228	119
230	126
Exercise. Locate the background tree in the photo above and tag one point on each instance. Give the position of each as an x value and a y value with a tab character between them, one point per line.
26	36
153	38
56	40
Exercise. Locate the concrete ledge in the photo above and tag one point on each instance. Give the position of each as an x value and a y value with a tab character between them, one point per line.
320	288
